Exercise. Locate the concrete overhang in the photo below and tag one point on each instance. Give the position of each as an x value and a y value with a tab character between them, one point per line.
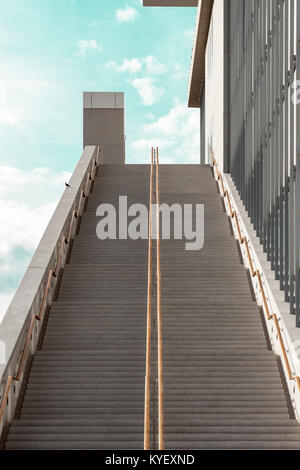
197	77
170	3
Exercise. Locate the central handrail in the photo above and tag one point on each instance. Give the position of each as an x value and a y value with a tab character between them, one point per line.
148	335
154	159
159	320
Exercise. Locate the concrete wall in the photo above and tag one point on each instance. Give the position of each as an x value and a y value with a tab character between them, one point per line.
28	298
103	124
214	85
226	89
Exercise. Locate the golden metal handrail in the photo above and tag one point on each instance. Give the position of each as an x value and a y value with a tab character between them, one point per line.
52	273
45	297
261	288
59	259
74	216
234	215
159	319
255	273
26	347
159	322
148	337
285	357
5	396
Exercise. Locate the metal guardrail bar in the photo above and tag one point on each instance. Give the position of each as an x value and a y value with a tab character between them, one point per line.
46	293
52	274
159	321
26	347
261	287
234	215
148	335
285	357
256	273
61	252
253	272
5	396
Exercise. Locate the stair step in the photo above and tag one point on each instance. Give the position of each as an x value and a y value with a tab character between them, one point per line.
111	445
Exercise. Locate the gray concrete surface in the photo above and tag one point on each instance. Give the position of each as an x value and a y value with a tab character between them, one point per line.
103	124
28	297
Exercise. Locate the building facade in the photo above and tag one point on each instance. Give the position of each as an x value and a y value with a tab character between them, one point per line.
245	76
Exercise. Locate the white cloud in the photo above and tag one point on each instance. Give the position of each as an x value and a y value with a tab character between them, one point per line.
150	63
153	65
149	92
25	210
15	95
181	120
179	72
177	134
127	15
86	46
128	65
151	142
9	116
29	112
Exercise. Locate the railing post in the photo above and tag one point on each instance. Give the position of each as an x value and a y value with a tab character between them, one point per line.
159	321
148	338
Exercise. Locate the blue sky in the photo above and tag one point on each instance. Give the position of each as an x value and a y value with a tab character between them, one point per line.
50	52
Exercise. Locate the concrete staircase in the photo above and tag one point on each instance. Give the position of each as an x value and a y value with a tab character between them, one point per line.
86	385
223	386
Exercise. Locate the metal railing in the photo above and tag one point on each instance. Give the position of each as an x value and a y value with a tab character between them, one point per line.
159	320
254	272
148	337
53	274
154	159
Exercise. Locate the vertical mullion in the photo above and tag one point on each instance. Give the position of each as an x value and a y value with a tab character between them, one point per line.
269	132
264	122
292	163
278	144
281	138
297	203
273	140
256	116
268	129
286	151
